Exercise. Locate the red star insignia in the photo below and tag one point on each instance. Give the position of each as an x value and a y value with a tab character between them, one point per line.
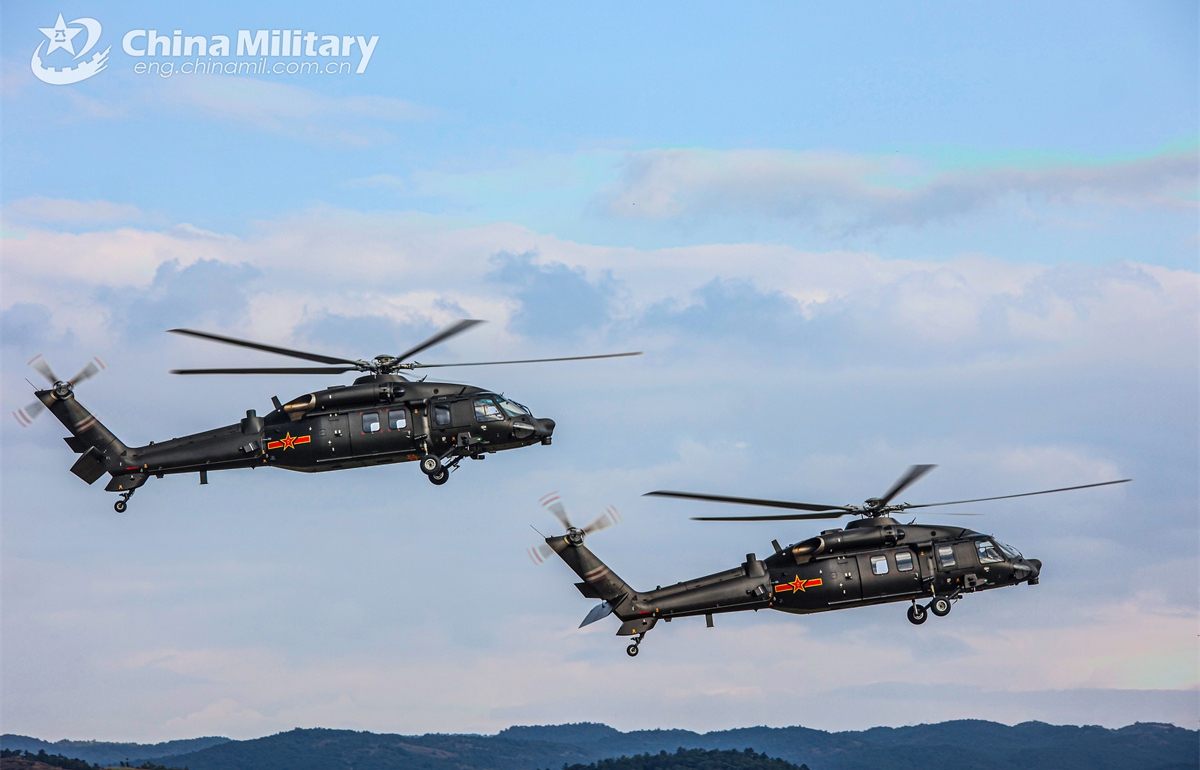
289	442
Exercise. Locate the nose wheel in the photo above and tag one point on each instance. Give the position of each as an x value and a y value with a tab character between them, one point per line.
123	504
632	650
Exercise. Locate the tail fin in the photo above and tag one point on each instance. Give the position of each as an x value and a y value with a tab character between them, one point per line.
100	451
600	581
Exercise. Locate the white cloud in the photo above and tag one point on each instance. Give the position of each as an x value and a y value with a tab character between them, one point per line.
60	211
839	191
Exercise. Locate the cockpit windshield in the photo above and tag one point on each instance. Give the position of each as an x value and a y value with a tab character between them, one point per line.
512	408
988	552
1009	551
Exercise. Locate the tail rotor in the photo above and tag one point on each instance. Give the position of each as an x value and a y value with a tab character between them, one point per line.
575	535
60	388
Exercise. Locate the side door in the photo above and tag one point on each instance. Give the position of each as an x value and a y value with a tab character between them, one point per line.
367	434
399	429
844	576
332	439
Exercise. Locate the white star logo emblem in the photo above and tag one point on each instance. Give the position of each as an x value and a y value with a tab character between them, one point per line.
60	35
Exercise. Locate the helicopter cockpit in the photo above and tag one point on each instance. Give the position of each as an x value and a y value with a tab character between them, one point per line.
490	407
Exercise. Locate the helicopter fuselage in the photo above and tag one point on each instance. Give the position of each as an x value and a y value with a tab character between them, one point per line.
379	419
872	561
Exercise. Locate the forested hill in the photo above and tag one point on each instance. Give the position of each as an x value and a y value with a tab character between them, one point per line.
960	745
107	753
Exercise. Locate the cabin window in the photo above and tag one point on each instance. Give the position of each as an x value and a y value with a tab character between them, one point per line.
945	556
904	561
988	552
370	422
879	565
486	410
441	415
397	419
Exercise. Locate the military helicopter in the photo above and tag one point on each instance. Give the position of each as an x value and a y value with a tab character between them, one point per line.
384	417
874	560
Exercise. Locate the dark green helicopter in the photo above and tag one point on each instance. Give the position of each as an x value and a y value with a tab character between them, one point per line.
874	560
382	418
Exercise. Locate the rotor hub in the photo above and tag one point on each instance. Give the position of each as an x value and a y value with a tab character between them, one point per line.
575	536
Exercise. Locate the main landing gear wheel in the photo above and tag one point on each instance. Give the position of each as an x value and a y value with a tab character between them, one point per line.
430	465
441	477
940	606
123	503
917	614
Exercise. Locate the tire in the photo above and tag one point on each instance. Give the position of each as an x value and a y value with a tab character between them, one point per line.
632	650
917	615
940	606
430	464
120	506
441	477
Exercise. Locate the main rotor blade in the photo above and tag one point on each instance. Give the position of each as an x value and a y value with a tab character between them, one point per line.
904	482
751	501
453	330
268	348
1023	494
781	517
43	368
282	370
528	360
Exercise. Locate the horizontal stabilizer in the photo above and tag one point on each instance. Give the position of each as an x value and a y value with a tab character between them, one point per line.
89	466
601	610
76	444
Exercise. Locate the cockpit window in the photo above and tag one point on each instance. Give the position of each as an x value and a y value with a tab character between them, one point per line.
441	415
514	409
988	552
1011	552
486	410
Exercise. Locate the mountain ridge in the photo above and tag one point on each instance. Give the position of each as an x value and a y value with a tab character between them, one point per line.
953	745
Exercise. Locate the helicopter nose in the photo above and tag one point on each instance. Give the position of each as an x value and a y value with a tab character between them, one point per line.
545	429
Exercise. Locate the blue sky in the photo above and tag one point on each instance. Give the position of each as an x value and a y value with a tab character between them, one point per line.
848	242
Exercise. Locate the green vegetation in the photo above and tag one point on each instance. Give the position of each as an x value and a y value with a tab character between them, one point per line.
692	759
70	763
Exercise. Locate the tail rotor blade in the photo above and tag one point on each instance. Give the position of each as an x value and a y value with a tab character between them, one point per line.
539	554
94	367
43	368
603	521
553	503
28	414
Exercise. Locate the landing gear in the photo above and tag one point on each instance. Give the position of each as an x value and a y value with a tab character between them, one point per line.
121	505
632	650
917	614
940	606
440	477
430	464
